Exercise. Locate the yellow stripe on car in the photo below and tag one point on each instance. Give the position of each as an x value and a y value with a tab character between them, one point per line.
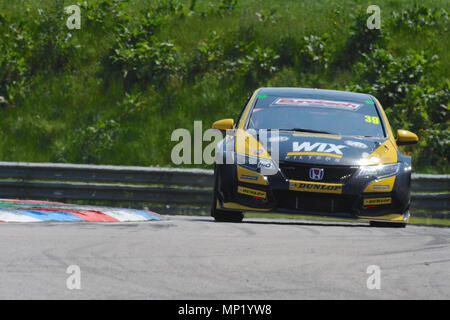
317	135
237	206
243	120
248	145
387	217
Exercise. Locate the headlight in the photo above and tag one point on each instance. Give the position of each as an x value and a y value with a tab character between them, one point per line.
262	165
379	171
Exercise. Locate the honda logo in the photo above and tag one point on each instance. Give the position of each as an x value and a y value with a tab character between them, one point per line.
316	173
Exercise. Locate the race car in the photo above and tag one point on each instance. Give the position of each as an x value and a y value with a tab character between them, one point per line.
312	152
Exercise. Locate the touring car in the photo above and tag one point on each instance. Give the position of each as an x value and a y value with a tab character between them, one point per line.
312	152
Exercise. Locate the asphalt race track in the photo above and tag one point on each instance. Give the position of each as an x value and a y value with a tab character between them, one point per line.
196	258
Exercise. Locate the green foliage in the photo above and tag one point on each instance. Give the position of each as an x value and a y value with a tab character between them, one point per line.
255	66
12	75
241	60
131	107
391	78
91	144
362	40
223	8
268	16
314	56
42	45
104	14
410	100
288	48
114	91
434	147
418	17
138	56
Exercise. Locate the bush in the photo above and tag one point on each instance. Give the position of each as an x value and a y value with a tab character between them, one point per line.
208	55
131	107
256	66
223	8
418	17
138	57
91	145
314	56
267	16
240	61
434	148
30	47
54	45
288	48
391	78
362	40
411	102
13	69
104	14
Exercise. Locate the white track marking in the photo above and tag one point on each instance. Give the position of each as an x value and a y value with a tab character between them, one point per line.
9	215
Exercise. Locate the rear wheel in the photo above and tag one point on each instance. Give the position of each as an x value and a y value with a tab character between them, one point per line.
379	224
222	215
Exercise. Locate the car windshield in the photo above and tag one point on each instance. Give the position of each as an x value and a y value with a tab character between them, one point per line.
348	118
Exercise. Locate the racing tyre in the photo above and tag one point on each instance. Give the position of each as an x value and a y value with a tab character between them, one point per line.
226	216
222	215
379	224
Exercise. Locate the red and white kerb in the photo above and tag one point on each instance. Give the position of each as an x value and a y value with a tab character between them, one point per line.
314	102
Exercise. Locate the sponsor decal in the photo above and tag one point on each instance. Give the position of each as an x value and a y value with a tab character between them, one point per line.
384	185
293	156
315	187
251	192
377	201
248	177
374	120
317	149
316	173
356	144
314	102
264	164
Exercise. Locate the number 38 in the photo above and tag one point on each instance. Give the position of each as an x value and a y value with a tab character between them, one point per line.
373	120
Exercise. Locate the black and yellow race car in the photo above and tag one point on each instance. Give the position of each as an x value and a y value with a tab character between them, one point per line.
312	152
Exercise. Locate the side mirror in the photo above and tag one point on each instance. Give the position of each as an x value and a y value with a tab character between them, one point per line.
405	137
224	124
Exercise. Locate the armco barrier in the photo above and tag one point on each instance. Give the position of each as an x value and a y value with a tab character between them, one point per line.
160	186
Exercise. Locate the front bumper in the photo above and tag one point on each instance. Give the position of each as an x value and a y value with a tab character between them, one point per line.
386	199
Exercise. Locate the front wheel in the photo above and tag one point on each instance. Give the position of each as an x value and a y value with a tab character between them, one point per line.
227	216
222	215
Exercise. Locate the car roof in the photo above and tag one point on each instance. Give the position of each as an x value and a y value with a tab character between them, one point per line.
315	93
